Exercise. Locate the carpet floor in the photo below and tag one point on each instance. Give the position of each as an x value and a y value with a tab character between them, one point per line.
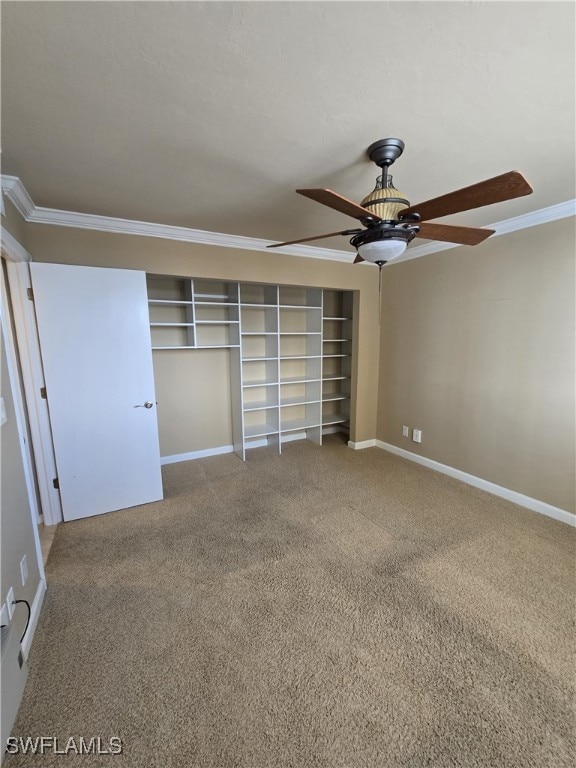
323	609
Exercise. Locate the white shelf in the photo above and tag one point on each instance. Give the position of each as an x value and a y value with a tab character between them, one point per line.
303	400
260	405
179	346
259	333
334	341
339	355
334	418
334	378
259	306
260	383
297	306
300	333
171	302
291	425
300	357
299	380
215	322
337	318
260	430
335	396
216	303
200	346
217	346
257	359
171	325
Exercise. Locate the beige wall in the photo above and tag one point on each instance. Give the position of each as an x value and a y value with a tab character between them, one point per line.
194	399
193	413
477	350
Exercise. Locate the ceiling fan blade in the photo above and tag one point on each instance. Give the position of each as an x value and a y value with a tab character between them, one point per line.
496	190
451	234
338	203
358	259
316	237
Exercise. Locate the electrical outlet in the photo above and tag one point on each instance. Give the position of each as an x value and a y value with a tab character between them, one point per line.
417	435
9	603
405	431
24	570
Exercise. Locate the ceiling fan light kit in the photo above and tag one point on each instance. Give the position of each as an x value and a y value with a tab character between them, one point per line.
390	223
382	244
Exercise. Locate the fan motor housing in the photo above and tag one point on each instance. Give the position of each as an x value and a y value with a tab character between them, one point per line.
385	202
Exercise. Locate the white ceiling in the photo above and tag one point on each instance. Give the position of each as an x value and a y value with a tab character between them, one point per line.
210	114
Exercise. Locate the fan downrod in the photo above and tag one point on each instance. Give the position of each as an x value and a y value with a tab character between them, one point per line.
385	151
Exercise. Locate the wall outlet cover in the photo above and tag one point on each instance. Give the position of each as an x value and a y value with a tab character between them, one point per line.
405	431
24	570
417	435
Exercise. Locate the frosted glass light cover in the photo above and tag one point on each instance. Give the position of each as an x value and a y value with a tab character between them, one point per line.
382	250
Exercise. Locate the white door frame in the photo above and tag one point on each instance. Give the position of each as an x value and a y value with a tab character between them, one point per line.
13	373
32	377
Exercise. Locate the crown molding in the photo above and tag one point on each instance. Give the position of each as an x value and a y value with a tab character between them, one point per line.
168	232
16	192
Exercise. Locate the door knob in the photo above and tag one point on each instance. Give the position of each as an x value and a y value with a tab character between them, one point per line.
147	404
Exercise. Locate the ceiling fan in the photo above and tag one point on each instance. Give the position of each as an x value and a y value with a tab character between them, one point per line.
388	220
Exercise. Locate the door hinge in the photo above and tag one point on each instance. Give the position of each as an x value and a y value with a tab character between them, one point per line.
30	294
43	394
56	484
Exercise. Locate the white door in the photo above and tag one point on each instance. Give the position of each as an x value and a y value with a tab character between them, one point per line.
95	343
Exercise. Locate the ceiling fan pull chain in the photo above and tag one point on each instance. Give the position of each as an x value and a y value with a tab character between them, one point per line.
380	293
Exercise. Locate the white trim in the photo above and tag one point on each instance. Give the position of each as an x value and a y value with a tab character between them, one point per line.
33	379
485	485
16	192
167	232
11	248
20	413
504	227
362	444
177	457
35	610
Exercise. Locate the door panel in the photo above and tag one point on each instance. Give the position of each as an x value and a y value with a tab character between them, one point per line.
96	352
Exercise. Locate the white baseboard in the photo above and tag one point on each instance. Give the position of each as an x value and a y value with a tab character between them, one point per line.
196	454
362	444
35	609
259	443
485	485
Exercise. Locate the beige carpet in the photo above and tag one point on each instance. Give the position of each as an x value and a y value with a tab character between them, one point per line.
326	608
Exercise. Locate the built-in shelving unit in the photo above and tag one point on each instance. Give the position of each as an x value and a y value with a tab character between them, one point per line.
290	351
336	357
187	313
